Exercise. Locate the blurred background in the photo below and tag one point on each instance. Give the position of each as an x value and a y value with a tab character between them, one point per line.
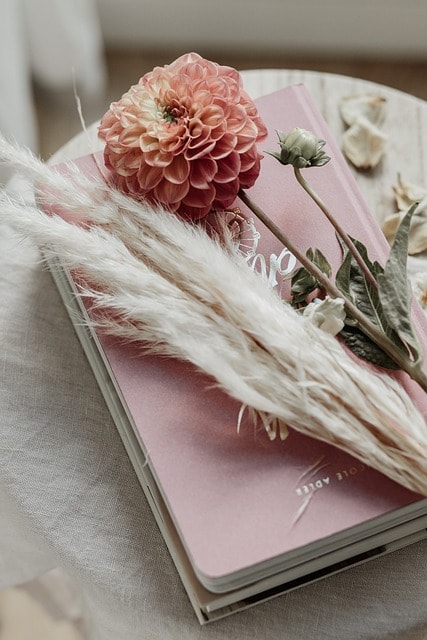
104	46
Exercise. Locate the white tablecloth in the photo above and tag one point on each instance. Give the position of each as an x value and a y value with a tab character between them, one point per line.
69	497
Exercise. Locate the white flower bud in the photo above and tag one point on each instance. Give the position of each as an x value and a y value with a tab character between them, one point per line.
301	148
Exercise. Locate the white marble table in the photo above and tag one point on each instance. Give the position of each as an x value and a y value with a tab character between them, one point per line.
69	496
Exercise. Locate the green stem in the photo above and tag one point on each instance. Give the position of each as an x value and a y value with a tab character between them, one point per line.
412	368
338	228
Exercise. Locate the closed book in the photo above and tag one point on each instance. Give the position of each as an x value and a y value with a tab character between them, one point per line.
246	518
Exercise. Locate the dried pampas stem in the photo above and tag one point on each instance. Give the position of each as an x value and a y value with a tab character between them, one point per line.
140	263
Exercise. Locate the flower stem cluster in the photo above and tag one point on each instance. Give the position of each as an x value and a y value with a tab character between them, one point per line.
383	332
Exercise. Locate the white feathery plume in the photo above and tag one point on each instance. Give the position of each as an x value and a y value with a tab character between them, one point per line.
168	285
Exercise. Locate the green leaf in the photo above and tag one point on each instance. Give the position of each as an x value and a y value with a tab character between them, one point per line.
321	262
343	275
303	283
365	348
395	291
352	283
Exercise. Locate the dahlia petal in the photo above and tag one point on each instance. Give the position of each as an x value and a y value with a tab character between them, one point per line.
157	158
149	177
226	193
130	136
249	158
148	143
212	115
197	130
224	145
132	184
178	170
200	197
228	168
202	172
193	213
169	192
249	177
200	151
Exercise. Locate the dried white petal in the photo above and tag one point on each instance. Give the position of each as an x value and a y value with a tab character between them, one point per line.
364	143
417	232
419	287
406	193
327	314
364	105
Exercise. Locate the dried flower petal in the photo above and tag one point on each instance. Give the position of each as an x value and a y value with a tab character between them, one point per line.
327	314
363	105
364	143
419	284
417	232
185	136
406	193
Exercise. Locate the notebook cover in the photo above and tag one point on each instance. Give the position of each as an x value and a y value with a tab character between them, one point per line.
236	498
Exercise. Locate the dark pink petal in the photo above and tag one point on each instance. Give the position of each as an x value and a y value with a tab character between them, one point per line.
193	213
226	192
228	168
249	177
200	197
202	172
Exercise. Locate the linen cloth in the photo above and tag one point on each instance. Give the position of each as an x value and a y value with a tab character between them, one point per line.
69	497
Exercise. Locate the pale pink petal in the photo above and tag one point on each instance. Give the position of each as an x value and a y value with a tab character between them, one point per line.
149	177
178	170
158	159
224	145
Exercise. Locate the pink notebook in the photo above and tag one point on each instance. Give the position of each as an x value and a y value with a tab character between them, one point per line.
230	504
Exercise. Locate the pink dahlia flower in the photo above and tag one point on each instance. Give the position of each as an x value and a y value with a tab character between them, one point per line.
185	136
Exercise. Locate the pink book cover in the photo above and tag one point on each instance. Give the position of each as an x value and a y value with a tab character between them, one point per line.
235	497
